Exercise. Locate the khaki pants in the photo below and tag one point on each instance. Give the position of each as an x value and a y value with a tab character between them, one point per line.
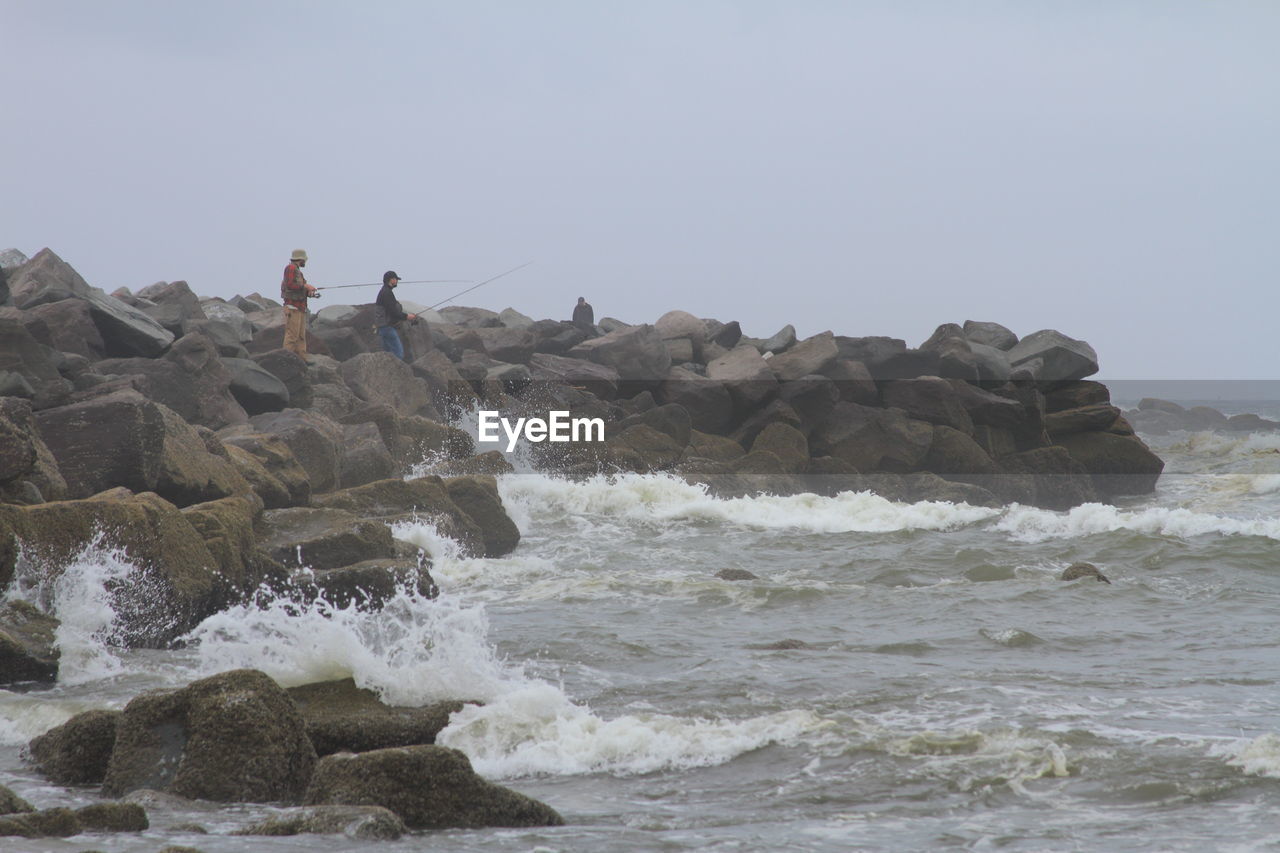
295	330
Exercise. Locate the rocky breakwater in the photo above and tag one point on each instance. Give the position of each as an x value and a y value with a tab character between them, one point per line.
163	434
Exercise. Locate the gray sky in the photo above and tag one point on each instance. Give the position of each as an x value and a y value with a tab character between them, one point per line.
1105	168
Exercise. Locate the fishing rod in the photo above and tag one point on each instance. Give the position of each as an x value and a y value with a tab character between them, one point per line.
481	284
419	281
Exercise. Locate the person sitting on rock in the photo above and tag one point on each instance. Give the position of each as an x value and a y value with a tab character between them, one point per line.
388	314
294	293
584	316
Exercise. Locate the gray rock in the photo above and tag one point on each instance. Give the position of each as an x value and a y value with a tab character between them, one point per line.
322	538
813	355
430	787
992	363
708	401
782	340
380	377
470	318
1062	358
990	334
513	319
256	389
748	377
594	378
173	306
681	324
233	737
216	309
511	345
313	439
637	353
929	398
28	651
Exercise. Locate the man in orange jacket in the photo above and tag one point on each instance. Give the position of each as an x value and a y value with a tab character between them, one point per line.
294	292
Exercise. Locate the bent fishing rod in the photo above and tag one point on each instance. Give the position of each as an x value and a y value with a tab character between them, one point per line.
481	284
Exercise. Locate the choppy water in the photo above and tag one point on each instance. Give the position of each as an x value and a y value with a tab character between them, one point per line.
943	689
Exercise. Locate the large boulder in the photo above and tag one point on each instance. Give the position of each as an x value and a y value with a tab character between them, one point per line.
256	389
380	377
125	330
28	649
342	717
190	379
747	375
708	402
367	585
29	368
787	444
872	439
427	498
290	369
216	309
69	326
175	581
1056	480
113	440
78	751
512	345
270	467
25	458
585	375
990	334
322	538
812	355
227	528
430	787
188	472
1099	416
233	737
637	353
173	305
671	419
854	382
314	440
471	318
1118	464
929	398
1053	357
478	497
556	337
781	341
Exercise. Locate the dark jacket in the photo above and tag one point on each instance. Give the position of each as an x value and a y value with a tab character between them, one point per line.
386	308
583	315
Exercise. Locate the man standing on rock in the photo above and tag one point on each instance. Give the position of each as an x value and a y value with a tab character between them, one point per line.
294	292
387	314
584	316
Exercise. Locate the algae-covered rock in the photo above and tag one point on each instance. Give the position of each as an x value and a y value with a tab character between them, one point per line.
430	787
344	718
78	751
233	737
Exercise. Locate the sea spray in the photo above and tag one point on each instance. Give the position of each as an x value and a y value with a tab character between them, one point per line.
85	597
413	651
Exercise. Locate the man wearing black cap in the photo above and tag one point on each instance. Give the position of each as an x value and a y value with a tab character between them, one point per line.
387	314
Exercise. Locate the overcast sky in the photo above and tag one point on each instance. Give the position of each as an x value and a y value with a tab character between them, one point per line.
1110	169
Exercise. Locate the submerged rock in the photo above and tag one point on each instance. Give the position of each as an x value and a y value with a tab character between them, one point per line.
48	823
1075	571
113	817
363	823
430	787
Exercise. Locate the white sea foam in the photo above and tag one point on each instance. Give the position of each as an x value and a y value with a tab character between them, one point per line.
537	730
1028	524
80	596
661	499
1257	757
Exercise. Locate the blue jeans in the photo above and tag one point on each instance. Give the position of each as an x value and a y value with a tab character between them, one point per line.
391	341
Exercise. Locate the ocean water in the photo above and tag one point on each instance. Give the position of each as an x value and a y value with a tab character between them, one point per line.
897	677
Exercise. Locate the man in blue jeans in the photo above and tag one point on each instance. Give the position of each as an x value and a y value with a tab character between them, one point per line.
387	314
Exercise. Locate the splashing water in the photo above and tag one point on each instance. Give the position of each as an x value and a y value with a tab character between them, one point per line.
82	598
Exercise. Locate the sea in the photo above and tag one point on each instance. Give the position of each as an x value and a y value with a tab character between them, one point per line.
896	677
